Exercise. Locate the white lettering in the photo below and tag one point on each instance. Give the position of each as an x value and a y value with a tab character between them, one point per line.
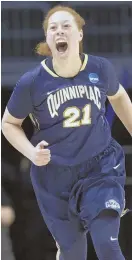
73	92
91	94
66	94
51	106
97	96
81	90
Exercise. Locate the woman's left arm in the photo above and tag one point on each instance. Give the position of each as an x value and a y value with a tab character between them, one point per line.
122	106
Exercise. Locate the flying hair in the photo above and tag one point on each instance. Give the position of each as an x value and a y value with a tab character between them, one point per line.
42	48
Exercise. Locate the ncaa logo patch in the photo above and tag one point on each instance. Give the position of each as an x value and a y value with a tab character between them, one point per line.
93	77
113	204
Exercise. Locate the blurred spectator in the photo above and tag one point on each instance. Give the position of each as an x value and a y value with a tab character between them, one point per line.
7	218
29	235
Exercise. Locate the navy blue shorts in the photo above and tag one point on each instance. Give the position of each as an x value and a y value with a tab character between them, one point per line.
71	197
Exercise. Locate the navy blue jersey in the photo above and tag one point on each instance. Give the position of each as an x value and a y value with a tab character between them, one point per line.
68	113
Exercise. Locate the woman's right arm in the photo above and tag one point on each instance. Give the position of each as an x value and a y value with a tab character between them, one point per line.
12	130
19	106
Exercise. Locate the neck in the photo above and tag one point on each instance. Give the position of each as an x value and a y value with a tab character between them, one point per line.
68	67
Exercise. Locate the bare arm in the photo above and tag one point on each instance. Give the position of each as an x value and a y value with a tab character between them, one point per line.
122	106
12	130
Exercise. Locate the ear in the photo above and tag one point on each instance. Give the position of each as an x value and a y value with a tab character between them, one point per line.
80	35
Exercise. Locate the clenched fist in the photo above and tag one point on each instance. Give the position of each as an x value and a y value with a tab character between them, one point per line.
41	156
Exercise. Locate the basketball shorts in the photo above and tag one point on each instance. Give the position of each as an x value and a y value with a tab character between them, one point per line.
71	197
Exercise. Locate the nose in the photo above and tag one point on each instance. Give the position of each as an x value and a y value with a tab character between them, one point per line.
60	31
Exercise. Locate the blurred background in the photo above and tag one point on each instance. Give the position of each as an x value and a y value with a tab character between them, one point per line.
108	33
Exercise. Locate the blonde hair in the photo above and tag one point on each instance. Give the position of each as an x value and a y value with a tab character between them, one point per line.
42	48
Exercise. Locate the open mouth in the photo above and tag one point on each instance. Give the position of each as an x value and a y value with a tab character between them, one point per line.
61	46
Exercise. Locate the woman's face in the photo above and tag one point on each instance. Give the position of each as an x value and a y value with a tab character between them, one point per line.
63	36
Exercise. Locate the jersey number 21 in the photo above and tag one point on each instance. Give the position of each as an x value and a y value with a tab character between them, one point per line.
72	115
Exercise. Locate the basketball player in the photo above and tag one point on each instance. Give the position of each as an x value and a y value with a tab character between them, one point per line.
78	170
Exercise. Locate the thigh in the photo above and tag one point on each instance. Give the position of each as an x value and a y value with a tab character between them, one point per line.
102	191
52	188
98	195
54	210
102	187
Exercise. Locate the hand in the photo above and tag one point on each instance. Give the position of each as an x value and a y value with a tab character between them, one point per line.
7	215
41	156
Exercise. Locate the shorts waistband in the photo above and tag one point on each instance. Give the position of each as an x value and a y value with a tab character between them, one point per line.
105	152
88	163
